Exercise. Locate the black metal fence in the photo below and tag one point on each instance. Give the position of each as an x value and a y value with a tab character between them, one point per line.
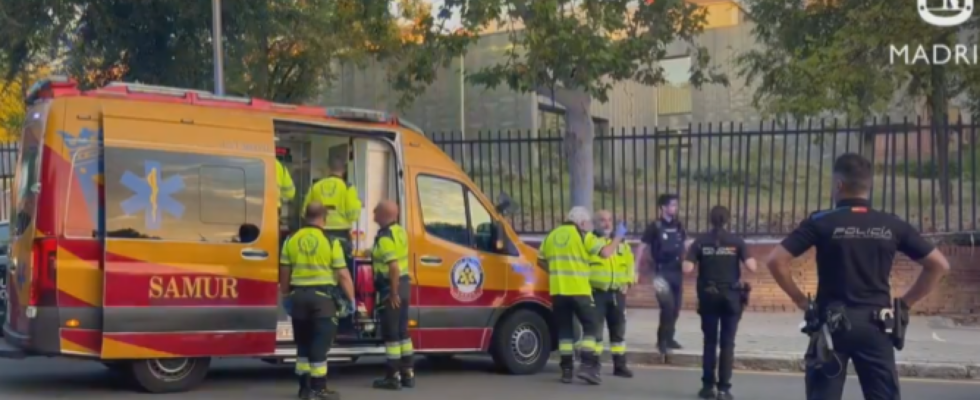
769	175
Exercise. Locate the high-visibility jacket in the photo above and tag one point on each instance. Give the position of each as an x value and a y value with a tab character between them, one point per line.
568	252
391	244
340	199
613	272
314	258
287	190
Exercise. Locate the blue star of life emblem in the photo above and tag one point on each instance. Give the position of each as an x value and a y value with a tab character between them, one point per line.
152	194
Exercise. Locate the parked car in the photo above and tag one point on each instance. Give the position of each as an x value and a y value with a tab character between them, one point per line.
4	242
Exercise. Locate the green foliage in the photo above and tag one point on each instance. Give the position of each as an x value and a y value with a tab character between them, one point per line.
585	45
820	56
282	50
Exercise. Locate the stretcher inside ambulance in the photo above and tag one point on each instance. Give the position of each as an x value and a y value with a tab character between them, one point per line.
125	245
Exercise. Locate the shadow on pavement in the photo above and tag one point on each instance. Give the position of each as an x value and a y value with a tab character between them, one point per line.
68	376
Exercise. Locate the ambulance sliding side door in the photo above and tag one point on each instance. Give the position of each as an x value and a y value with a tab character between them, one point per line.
190	261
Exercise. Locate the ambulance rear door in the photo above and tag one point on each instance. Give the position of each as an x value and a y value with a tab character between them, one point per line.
191	239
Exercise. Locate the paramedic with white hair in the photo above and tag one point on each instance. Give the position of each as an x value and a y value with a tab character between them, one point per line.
566	253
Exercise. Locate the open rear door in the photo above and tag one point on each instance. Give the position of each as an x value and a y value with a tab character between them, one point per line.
191	238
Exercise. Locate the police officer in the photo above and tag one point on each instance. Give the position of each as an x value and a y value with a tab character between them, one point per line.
856	246
394	288
665	238
310	266
566	254
721	298
610	278
342	201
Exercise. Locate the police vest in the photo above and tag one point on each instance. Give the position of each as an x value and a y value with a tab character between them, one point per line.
568	253
391	244
613	272
671	243
313	258
343	205
718	264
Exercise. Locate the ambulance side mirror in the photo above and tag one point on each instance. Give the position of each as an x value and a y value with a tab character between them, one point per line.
499	236
503	204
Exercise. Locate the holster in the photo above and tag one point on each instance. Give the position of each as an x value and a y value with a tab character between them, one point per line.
901	323
744	292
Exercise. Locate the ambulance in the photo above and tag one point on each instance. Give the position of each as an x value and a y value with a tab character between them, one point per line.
125	245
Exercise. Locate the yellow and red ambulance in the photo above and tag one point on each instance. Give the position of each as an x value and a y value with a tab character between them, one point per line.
125	245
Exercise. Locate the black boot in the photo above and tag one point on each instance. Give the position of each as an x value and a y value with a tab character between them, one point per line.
589	369
567	375
673	345
619	367
305	393
707	393
725	395
392	380
408	377
320	391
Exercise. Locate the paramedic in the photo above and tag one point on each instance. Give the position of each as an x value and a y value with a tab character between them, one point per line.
342	203
394	287
610	278
718	256
566	253
310	266
287	191
855	249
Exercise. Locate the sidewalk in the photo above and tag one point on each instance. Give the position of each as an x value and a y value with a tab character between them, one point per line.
935	347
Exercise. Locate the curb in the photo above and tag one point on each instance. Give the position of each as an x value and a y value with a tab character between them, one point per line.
794	363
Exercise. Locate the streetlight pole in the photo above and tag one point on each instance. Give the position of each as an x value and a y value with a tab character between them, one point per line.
219	70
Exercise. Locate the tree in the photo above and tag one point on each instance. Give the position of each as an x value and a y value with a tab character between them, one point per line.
281	50
823	56
574	51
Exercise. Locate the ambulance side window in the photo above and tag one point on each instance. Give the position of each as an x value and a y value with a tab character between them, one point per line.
444	209
186	197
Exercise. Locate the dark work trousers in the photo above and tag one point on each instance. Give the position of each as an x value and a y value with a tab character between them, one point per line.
314	317
870	348
720	314
670	312
567	309
610	306
394	328
346	325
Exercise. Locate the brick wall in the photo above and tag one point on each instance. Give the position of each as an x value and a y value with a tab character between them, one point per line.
958	294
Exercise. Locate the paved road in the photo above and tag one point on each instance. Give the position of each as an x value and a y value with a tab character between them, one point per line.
469	379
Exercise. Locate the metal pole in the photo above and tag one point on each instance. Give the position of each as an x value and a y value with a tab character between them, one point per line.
219	73
462	97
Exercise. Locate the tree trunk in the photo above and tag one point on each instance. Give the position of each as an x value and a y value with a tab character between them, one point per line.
939	110
578	142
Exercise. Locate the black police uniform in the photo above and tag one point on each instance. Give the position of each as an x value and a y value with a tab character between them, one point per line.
856	246
720	302
665	239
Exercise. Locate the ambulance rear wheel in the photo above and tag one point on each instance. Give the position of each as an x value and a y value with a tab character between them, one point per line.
521	343
169	375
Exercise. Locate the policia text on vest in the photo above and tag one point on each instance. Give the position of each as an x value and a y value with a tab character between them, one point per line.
566	253
855	249
718	256
394	288
311	266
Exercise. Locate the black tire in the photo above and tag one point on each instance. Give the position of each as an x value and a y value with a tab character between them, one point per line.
521	343
171	375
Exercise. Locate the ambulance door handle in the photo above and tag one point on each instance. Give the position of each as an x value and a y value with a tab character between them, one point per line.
254	254
431	261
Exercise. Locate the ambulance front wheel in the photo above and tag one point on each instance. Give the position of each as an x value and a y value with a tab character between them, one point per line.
521	343
169	375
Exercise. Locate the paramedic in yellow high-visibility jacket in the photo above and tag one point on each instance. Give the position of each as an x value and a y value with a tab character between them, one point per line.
342	203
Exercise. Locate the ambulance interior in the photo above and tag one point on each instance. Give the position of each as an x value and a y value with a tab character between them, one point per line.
372	169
